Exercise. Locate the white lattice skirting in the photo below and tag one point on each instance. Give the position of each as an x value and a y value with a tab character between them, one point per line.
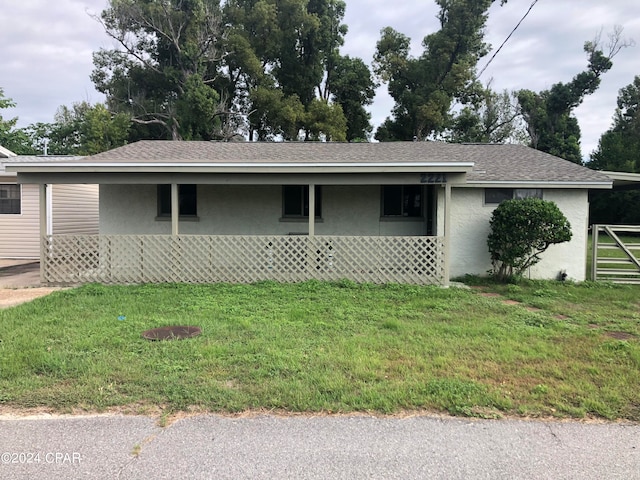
123	259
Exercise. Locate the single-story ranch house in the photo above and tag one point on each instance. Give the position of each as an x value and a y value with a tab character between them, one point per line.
412	212
70	209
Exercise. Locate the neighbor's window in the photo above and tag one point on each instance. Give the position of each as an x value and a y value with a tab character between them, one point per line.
493	196
402	201
187	200
295	201
10	199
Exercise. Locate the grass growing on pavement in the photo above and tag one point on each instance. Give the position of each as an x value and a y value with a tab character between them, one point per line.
333	347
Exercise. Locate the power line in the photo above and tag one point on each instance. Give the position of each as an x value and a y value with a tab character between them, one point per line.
506	39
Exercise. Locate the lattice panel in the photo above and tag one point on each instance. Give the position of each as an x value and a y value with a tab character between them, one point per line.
242	259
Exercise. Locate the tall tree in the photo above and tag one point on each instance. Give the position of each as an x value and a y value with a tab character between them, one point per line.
82	129
352	87
549	114
490	117
618	150
12	138
619	147
165	68
284	58
424	88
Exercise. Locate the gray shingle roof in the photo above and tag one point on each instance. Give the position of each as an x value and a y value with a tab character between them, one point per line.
279	152
34	159
492	162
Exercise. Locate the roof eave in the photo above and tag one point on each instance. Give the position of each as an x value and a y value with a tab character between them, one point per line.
408	167
538	184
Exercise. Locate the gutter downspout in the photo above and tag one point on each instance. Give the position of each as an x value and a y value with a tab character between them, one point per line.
43	230
49	190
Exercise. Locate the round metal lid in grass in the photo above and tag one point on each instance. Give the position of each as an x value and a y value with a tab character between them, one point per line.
177	332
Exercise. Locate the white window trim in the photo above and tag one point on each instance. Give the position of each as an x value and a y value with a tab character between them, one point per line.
513	190
21	200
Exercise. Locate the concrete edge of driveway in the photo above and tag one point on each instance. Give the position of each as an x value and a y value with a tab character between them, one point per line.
20	282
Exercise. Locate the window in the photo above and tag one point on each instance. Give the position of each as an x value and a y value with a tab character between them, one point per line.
493	196
10	199
295	201
187	200
402	201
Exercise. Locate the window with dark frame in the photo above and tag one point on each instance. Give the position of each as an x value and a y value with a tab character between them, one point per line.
10	200
187	200
295	201
494	196
403	201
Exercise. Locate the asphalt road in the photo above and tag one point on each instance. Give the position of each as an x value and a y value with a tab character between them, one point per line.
301	447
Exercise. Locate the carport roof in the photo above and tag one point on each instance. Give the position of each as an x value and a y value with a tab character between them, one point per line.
624	180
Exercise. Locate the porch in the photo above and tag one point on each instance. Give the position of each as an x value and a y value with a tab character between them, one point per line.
126	259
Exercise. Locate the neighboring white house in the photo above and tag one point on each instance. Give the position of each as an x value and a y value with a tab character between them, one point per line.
70	209
413	212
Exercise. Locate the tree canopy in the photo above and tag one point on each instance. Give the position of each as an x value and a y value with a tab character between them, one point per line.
164	71
193	69
273	69
619	147
11	137
83	129
424	88
287	73
549	115
619	150
490	117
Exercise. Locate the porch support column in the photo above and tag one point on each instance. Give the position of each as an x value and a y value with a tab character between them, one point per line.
43	229
312	209
447	233
175	209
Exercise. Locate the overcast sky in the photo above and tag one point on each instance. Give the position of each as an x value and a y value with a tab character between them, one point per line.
46	47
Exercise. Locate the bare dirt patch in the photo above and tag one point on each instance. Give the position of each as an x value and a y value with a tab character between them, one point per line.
511	302
620	335
12	297
490	294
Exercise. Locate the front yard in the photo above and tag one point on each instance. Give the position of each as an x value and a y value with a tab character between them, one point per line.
537	349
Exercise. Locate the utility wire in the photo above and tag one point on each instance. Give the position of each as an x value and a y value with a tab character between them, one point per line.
506	39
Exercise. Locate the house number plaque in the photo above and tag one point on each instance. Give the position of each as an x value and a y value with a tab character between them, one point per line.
433	178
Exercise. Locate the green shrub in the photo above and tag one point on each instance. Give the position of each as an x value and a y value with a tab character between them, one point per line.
520	231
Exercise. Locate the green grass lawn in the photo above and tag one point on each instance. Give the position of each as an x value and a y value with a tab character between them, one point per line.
329	347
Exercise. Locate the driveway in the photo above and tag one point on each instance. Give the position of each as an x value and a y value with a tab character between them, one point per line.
20	282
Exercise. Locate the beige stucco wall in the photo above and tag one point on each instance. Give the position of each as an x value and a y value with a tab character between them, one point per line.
19	233
249	210
470	229
346	210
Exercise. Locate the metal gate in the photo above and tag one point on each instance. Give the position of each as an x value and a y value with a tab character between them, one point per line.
616	253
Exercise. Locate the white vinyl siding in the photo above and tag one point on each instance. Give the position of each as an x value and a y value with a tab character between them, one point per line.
19	234
75	209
